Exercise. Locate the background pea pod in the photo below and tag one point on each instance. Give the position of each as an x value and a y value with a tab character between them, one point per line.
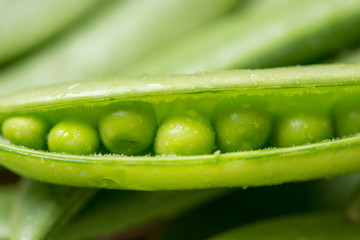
350	56
105	213
6	197
123	211
353	210
23	27
321	225
245	207
117	34
246	168
254	39
41	209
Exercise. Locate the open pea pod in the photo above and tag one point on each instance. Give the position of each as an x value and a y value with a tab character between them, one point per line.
289	115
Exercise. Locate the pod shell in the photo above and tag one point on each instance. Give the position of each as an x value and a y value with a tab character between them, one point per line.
251	168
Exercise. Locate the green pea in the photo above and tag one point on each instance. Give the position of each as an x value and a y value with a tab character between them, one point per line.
241	128
185	134
302	128
129	129
73	136
347	121
28	131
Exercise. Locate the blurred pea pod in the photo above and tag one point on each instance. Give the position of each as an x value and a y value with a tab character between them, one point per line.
120	211
120	33
352	212
311	226
43	211
350	56
6	198
255	204
270	33
24	26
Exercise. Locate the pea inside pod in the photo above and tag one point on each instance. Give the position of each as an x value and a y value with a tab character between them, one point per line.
73	136
128	129
29	131
193	131
301	127
186	133
241	126
347	118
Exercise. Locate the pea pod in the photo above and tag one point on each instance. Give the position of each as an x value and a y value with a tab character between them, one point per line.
278	91
40	209
121	211
353	210
255	204
6	197
24	26
298	32
44	211
110	39
350	57
317	225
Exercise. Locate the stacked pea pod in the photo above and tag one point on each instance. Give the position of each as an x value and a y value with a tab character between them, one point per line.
128	100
